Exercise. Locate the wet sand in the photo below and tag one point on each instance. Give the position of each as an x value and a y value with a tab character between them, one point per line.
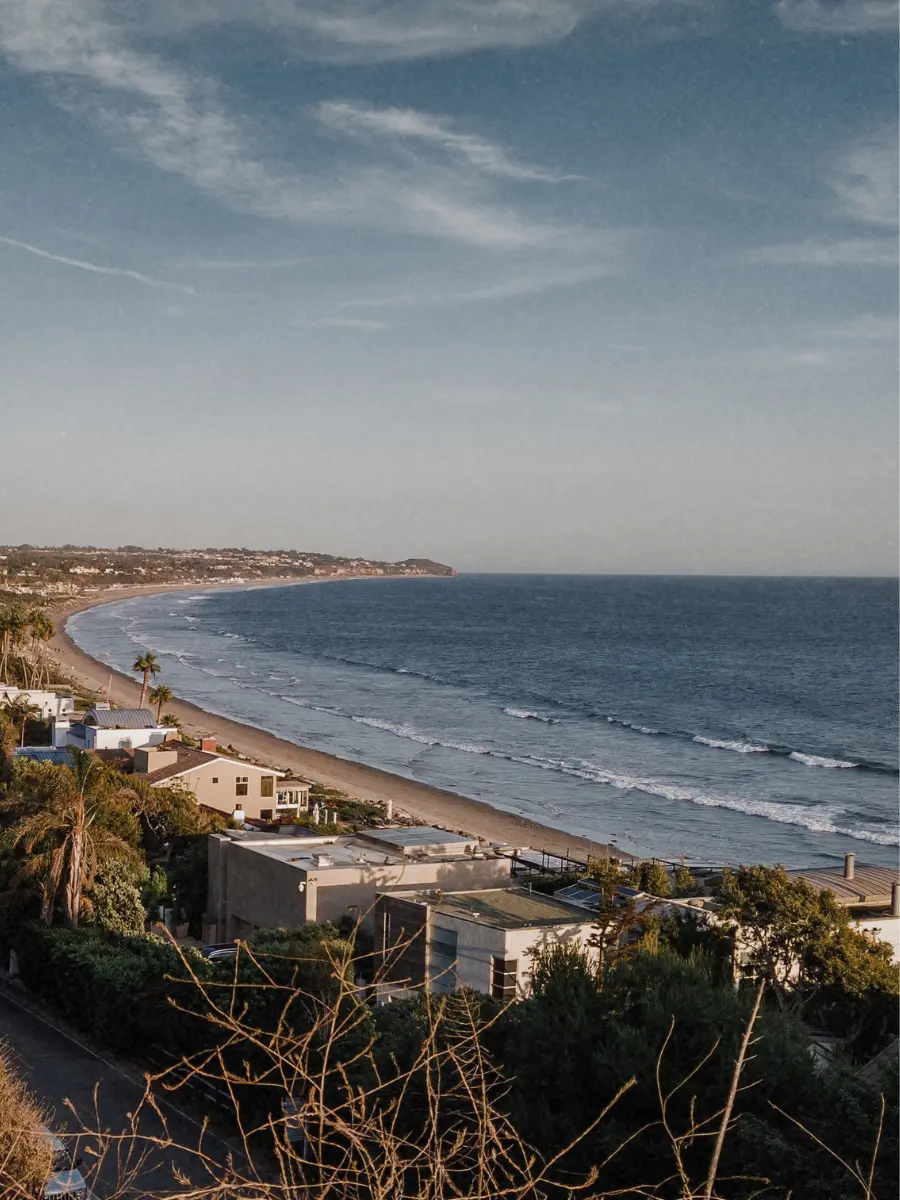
421	801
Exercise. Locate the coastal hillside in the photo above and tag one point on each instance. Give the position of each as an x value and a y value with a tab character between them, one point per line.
68	570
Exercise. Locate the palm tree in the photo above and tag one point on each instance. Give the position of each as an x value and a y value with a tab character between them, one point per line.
20	711
13	629
161	695
171	719
67	820
42	629
149	664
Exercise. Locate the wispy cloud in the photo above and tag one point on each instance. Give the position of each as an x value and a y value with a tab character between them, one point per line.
183	124
407	124
239	264
363	323
95	268
839	16
864	179
851	252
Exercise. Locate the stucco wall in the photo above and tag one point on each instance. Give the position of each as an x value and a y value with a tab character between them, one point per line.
223	795
477	944
266	892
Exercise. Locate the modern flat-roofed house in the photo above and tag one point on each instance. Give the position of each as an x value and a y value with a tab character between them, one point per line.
266	880
104	728
487	939
870	894
51	704
230	785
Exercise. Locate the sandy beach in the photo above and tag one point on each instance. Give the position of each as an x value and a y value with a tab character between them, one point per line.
421	801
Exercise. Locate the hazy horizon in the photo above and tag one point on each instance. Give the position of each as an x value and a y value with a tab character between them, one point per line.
555	286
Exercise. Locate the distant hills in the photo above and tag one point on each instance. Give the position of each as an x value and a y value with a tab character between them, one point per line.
59	571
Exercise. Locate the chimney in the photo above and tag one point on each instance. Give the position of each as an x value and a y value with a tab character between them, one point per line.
849	866
208	743
895	899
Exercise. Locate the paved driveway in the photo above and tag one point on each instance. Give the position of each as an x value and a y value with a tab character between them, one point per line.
59	1068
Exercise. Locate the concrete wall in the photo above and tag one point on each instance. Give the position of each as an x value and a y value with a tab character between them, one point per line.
478	944
115	739
215	785
251	887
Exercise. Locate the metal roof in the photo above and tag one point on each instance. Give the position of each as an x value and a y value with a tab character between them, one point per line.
58	755
869	885
422	837
120	718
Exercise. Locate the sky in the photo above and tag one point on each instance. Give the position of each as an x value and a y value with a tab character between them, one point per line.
533	285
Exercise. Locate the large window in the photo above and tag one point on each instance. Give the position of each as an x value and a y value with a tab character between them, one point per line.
240	785
504	972
442	955
267	786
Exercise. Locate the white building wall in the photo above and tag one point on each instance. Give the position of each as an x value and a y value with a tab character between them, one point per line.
51	704
477	945
886	929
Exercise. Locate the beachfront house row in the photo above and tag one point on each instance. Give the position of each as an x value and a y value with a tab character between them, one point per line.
487	940
232	786
266	880
105	728
49	704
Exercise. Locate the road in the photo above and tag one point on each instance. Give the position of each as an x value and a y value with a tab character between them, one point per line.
58	1069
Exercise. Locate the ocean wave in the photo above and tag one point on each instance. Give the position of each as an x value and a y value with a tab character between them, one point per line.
524	714
725	744
816	760
645	729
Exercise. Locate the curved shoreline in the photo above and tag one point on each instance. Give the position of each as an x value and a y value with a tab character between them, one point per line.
433	805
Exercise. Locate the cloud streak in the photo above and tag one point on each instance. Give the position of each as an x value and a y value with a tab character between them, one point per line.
851	252
410	125
183	125
864	179
839	17
95	269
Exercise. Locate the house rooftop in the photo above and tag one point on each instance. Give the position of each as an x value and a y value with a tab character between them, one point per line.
502	908
58	755
870	886
428	839
120	718
368	848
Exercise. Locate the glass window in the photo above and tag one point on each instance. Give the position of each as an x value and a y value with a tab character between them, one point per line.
215	779
267	786
240	785
442	954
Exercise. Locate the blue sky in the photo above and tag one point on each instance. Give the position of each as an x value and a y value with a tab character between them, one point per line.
588	285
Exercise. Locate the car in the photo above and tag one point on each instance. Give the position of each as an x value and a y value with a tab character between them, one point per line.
71	1184
217	952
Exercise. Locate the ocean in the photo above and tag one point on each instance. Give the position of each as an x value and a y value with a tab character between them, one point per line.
726	720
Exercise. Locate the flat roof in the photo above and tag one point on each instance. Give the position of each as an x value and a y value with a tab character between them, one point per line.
299	851
869	885
503	908
422	837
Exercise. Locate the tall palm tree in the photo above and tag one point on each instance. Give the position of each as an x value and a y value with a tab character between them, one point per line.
161	695
67	820
42	631
13	630
149	664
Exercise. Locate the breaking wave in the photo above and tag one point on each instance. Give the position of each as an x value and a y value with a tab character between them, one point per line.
524	714
724	744
816	760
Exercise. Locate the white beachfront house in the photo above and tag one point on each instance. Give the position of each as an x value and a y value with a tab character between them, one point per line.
104	728
50	704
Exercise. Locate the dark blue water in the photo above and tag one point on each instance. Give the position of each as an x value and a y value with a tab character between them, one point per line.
725	719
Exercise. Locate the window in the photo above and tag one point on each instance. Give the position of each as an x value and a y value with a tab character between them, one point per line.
442	951
504	972
267	786
240	785
215	779
286	800
265	814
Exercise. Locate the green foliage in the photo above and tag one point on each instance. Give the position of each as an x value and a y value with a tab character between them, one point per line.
116	902
607	873
650	877
800	940
187	874
685	883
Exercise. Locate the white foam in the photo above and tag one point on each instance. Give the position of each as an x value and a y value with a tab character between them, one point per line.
737	747
524	714
631	725
816	760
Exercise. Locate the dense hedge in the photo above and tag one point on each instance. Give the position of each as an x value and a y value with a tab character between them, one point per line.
119	990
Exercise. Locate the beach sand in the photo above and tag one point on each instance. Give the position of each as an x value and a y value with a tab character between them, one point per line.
432	805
